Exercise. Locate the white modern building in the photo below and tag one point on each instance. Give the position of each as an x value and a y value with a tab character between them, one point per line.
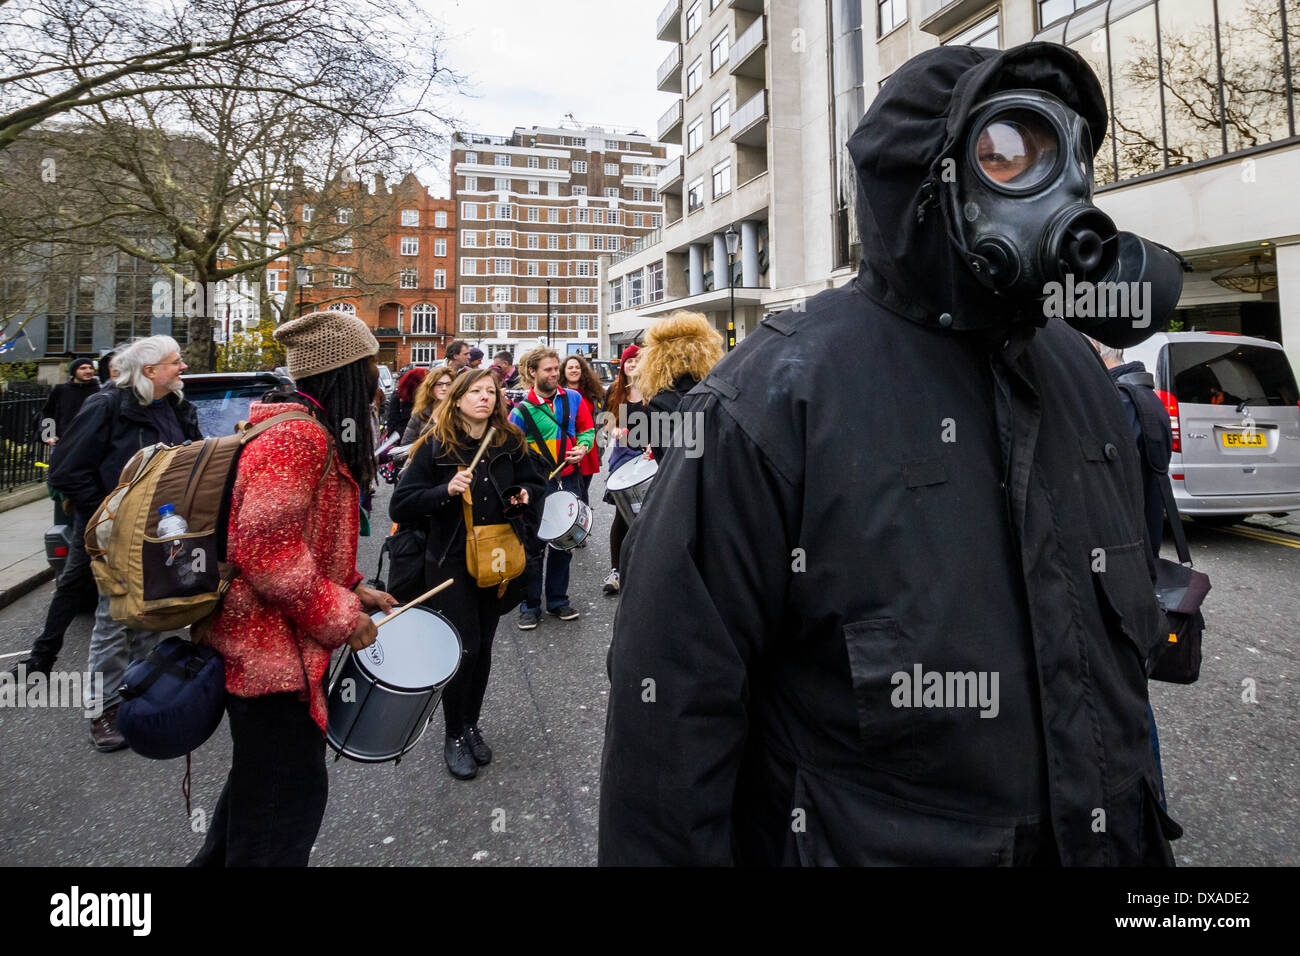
1201	154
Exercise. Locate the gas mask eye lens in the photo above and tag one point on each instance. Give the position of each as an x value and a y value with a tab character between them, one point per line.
1017	149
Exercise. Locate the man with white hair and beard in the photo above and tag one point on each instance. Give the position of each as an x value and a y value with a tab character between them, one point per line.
145	406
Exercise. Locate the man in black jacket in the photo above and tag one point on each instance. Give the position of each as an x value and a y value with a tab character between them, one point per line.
909	618
65	400
146	406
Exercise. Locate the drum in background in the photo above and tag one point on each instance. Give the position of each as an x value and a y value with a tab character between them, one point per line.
566	521
629	485
381	697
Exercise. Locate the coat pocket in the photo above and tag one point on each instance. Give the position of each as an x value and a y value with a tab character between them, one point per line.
1139	827
877	650
843	824
1128	598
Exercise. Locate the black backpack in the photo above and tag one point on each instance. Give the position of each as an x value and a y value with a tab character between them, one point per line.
1180	588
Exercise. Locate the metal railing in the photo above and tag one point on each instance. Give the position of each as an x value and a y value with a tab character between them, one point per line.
640	245
673	9
752	109
748	41
20	444
672	116
672	170
672	62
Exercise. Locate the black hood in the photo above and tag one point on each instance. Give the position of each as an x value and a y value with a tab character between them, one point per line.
909	264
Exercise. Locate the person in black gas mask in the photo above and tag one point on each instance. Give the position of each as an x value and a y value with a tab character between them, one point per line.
910	619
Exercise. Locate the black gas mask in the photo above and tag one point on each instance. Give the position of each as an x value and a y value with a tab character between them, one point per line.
1029	231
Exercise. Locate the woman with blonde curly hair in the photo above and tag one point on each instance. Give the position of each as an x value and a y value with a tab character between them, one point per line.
678	352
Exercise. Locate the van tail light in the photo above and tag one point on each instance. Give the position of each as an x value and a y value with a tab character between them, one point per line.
60	551
1171	406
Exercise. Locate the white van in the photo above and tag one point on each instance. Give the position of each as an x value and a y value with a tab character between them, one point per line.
1235	412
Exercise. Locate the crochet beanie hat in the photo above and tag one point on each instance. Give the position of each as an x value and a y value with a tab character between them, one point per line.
323	341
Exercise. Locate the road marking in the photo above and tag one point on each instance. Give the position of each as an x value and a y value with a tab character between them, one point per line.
14	654
1272	537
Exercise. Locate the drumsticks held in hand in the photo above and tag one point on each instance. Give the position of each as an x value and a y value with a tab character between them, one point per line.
413	602
482	448
561	466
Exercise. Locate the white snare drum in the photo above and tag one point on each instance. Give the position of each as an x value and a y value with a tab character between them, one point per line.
382	696
566	521
630	484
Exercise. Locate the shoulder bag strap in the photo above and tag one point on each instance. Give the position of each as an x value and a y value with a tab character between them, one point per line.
531	425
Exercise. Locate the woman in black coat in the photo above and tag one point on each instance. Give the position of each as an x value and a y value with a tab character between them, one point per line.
506	486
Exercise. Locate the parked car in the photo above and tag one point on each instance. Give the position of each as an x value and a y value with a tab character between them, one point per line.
1235	412
607	371
387	383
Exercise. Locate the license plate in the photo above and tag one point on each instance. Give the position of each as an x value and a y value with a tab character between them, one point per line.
1245	440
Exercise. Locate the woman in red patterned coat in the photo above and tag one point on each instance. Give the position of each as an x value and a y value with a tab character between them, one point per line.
294	518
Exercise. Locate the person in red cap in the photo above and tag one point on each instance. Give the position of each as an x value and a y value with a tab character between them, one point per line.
623	403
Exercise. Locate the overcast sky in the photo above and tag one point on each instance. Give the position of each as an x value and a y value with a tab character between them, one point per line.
529	62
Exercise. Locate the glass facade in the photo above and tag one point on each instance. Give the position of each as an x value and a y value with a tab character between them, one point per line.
847	107
1187	80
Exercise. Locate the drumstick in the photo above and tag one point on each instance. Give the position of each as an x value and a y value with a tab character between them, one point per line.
481	448
561	466
410	604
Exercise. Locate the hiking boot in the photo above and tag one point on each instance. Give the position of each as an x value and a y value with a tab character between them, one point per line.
611	584
104	733
529	620
460	761
481	751
31	665
565	613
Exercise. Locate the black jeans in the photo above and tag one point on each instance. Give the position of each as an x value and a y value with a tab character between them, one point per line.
71	588
474	612
274	800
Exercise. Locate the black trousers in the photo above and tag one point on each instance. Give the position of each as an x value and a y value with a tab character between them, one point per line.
274	800
617	532
474	612
71	588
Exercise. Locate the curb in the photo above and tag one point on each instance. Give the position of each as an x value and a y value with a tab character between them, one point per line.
24	587
24	495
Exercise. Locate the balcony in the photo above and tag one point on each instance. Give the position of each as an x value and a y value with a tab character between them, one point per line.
670	125
670	177
669	24
749	122
387	332
755	5
669	76
937	17
747	53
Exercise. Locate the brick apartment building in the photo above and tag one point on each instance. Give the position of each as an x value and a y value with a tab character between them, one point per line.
537	209
397	273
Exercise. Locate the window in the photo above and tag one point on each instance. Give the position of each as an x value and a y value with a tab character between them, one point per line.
532	241
469	323
500	294
410	217
440	247
579	166
579	190
534	162
655	221
695	75
503	323
502	159
611	192
695	135
636	169
584	267
720	114
584	323
532	268
343	216
424	319
532	296
598	242
469	293
532	323
501	184
984	33
584	215
471	183
579	141
502	237
611	169
471	157
552	268
598	215
613	217
584	296
502	267
468	266
440	219
654	195
440	278
552	215
344	245
552	189
634	289
503	211
584	242
552	242
638	194
341	280
718	51
893	13
468	238
693	18
616	295
721	178
534	187
274	282
532	214
307	212
655	281
552	163
469	210
423	353
695	195
410	279
411	245
638	219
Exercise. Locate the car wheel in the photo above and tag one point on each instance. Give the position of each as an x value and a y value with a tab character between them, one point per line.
1219	521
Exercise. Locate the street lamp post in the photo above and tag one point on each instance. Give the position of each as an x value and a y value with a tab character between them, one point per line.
303	275
733	241
548	313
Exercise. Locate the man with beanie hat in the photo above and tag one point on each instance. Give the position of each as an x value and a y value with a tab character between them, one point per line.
475	358
294	519
65	400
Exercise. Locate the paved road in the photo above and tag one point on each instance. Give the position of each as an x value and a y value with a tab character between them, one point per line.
1231	765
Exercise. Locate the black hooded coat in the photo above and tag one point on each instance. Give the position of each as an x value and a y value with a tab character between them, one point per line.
971	507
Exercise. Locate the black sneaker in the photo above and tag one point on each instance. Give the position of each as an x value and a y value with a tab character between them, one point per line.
481	751
459	760
529	620
565	613
30	666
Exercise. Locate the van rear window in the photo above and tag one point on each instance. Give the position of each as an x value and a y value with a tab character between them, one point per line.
1210	373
